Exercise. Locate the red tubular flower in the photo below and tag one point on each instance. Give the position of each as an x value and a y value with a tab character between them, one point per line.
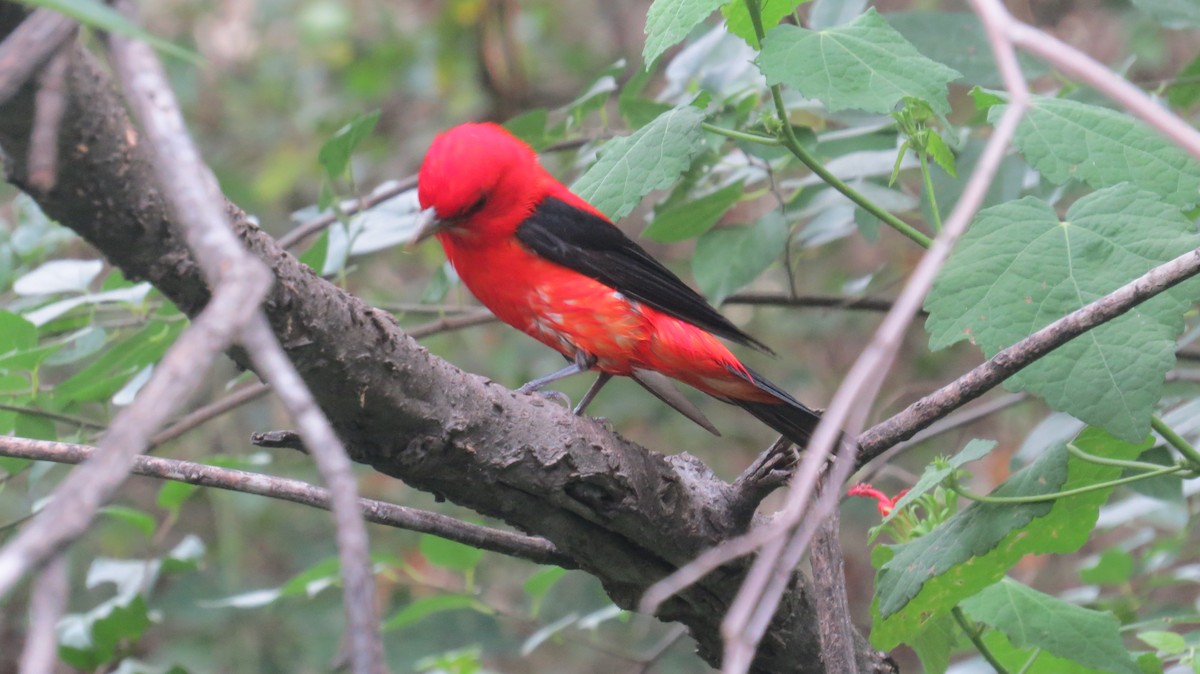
883	503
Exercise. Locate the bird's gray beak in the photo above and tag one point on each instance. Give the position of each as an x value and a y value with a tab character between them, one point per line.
428	224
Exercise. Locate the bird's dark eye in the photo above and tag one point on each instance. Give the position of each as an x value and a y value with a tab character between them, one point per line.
475	207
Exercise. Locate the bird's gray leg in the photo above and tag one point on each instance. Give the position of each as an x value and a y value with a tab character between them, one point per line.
583	363
591	393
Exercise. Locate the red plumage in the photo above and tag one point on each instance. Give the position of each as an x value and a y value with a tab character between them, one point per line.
549	264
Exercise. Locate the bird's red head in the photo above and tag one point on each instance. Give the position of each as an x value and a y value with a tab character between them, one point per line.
479	181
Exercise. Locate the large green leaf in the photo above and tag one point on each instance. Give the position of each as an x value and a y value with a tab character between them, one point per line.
669	21
1018	659
973	549
651	159
1032	619
1066	139
1184	91
737	17
927	31
864	65
1019	268
693	218
449	554
729	258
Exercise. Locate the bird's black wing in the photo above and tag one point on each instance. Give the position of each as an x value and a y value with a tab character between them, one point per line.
592	246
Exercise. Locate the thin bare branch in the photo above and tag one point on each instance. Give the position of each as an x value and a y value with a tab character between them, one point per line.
811	301
379	512
209	412
49	105
1009	361
192	190
951	422
27	48
46	606
319	223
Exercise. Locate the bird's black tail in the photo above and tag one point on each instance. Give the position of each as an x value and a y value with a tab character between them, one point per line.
789	417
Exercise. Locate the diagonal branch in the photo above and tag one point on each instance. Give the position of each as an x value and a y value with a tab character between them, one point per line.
191	188
1015	358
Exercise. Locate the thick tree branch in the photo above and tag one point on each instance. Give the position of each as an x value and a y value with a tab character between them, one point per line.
379	512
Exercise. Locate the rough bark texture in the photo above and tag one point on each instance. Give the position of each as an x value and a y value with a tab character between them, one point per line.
625	514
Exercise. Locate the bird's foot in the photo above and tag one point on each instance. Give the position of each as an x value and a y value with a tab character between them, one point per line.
554	396
771	470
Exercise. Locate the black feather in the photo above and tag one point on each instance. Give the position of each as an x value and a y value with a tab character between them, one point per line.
592	246
789	417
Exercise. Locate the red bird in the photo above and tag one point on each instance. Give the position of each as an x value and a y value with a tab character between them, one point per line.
549	264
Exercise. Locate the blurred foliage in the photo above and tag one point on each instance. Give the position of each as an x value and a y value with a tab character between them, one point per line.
304	107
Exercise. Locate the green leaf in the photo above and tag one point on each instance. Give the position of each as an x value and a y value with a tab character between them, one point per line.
934	475
693	218
59	276
1114	567
99	15
529	126
737	17
312	580
935	642
864	65
731	257
1167	488
1172	13
540	583
172	496
79	345
976	547
440	282
108	373
1169	643
941	153
427	606
1032	619
317	253
1019	268
928	31
139	519
1018	659
449	554
335	153
16	333
651	159
669	21
1185	90
1065	139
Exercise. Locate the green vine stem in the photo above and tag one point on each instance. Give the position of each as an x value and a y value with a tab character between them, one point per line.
740	135
974	635
928	180
1175	440
1120	463
789	140
953	485
1029	663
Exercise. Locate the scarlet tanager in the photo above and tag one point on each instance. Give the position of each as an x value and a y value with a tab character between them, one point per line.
546	262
